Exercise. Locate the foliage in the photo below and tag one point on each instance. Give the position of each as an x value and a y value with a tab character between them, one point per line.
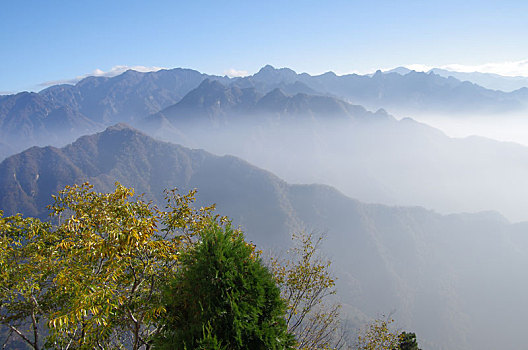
306	282
223	298
94	278
378	336
408	341
26	275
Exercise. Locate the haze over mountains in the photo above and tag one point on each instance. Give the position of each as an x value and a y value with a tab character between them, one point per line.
370	156
441	274
410	93
96	102
487	80
454	279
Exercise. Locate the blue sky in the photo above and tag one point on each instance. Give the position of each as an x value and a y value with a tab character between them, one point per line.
42	41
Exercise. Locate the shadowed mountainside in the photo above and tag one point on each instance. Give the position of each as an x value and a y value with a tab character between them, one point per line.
214	105
441	274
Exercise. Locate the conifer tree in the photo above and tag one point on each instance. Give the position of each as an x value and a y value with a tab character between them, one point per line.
223	298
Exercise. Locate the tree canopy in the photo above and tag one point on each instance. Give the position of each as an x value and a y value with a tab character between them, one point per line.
113	271
222	292
306	283
408	341
93	278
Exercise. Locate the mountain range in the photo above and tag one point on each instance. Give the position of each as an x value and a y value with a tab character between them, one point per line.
406	95
455	279
61	113
298	135
487	80
370	156
213	104
440	274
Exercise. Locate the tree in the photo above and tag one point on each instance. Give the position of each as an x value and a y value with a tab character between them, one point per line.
94	278
223	298
378	336
94	275
26	276
408	341
306	284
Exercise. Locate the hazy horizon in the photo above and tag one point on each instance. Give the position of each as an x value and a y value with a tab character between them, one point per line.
418	176
74	39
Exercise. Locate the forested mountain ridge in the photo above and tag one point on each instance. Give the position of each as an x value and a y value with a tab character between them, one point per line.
28	179
428	267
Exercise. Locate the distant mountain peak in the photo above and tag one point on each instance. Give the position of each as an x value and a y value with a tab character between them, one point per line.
266	68
400	70
211	84
269	72
275	96
329	74
210	88
131	72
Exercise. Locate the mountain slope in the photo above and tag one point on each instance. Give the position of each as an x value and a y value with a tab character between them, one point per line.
61	113
486	80
29	119
436	271
127	96
28	179
219	105
369	156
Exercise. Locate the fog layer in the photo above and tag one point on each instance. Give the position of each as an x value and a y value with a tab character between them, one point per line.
377	159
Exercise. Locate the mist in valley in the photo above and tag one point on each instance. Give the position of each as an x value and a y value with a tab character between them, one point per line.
378	159
439	274
424	217
499	127
397	130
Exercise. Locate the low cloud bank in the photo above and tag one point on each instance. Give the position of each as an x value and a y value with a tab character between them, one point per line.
508	68
115	70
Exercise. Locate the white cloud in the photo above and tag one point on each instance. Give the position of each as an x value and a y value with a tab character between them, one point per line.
232	73
61	81
419	67
116	70
98	72
509	68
